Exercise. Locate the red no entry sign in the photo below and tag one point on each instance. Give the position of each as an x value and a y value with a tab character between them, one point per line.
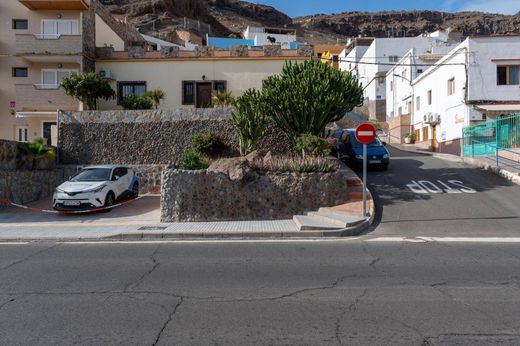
365	133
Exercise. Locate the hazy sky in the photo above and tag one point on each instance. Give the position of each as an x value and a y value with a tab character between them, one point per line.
296	8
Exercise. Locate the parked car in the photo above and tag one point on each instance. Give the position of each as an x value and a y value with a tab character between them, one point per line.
350	151
96	186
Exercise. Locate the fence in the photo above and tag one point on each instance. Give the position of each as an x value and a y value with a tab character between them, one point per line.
498	140
185	23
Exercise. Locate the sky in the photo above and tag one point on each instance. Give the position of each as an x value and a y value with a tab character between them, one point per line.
296	8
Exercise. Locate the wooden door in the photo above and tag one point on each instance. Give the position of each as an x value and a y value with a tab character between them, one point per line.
204	92
434	138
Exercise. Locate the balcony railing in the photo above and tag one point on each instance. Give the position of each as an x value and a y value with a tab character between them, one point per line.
34	97
64	5
29	44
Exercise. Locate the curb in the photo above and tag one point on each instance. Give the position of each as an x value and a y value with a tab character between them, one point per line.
447	157
512	177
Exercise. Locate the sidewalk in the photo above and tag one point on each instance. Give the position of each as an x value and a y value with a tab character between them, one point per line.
411	148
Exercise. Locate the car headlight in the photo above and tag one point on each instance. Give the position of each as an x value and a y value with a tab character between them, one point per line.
386	156
59	190
96	190
359	157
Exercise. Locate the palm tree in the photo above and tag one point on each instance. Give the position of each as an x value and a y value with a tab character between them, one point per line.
37	150
156	95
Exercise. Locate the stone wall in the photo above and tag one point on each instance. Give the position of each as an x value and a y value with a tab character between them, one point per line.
148	137
190	196
11	158
22	186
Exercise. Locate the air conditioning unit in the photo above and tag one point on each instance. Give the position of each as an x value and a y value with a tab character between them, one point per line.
433	118
426	118
438	119
105	73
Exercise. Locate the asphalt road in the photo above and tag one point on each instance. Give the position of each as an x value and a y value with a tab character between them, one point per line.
348	292
427	196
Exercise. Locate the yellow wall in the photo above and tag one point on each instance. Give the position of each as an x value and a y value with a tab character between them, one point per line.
106	36
167	75
9	10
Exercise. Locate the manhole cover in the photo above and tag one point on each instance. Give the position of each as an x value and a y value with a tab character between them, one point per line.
153	228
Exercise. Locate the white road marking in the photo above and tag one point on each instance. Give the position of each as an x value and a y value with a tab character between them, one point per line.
14	243
426	186
447	239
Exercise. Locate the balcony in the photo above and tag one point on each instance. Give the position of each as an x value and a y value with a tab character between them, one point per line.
34	97
63	5
28	45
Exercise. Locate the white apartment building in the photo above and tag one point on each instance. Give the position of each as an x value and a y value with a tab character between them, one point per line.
477	81
380	56
265	36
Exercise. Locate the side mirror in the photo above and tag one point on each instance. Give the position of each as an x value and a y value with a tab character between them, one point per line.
114	178
384	143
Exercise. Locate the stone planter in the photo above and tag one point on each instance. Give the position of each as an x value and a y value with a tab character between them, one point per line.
408	140
190	196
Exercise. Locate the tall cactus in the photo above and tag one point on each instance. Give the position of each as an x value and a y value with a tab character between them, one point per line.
249	120
307	96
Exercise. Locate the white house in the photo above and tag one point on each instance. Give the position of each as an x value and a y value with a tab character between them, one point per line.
477	81
264	36
400	102
381	55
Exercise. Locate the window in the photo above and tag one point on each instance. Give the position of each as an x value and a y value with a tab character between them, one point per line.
219	86
451	86
409	106
51	79
20	72
20	24
51	28
419	71
508	75
403	74
391	86
22	133
393	58
119	172
400	111
125	89
418	103
429	97
188	93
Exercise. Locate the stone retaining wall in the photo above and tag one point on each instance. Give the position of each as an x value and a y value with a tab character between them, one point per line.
190	196
22	186
149	136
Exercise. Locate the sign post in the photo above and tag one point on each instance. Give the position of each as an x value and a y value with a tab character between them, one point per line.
365	134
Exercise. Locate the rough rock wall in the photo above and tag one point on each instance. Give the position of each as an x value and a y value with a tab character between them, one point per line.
190	196
148	137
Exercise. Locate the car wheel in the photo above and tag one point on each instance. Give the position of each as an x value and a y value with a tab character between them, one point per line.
135	191
110	200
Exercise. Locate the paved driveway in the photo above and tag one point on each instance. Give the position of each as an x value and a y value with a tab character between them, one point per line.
422	195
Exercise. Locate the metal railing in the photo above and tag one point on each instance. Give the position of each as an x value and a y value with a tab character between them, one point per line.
501	156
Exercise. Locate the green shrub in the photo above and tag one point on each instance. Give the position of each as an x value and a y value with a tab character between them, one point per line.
156	95
313	145
207	143
36	151
88	87
222	99
249	120
137	102
294	165
190	160
307	96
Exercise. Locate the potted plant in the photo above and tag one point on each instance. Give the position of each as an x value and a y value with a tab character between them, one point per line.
408	138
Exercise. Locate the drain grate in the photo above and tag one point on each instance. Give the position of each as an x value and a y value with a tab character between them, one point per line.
152	228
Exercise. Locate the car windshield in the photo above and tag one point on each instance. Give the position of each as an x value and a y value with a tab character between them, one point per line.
375	143
93	174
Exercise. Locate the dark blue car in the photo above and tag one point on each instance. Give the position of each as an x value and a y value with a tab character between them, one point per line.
350	151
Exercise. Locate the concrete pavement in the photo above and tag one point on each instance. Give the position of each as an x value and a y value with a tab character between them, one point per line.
342	292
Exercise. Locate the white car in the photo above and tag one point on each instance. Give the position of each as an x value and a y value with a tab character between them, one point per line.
95	187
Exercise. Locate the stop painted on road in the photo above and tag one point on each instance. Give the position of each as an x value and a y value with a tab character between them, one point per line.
439	186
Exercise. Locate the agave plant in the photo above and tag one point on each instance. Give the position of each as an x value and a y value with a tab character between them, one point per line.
222	99
37	150
156	95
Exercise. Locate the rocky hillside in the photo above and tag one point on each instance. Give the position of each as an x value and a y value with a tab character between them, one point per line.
231	16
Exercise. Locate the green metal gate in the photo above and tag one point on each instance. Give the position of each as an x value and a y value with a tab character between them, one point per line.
485	139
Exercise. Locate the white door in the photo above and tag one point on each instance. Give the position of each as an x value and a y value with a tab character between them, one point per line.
22	133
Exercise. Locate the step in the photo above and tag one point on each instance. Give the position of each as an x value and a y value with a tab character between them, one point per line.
341	219
309	223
